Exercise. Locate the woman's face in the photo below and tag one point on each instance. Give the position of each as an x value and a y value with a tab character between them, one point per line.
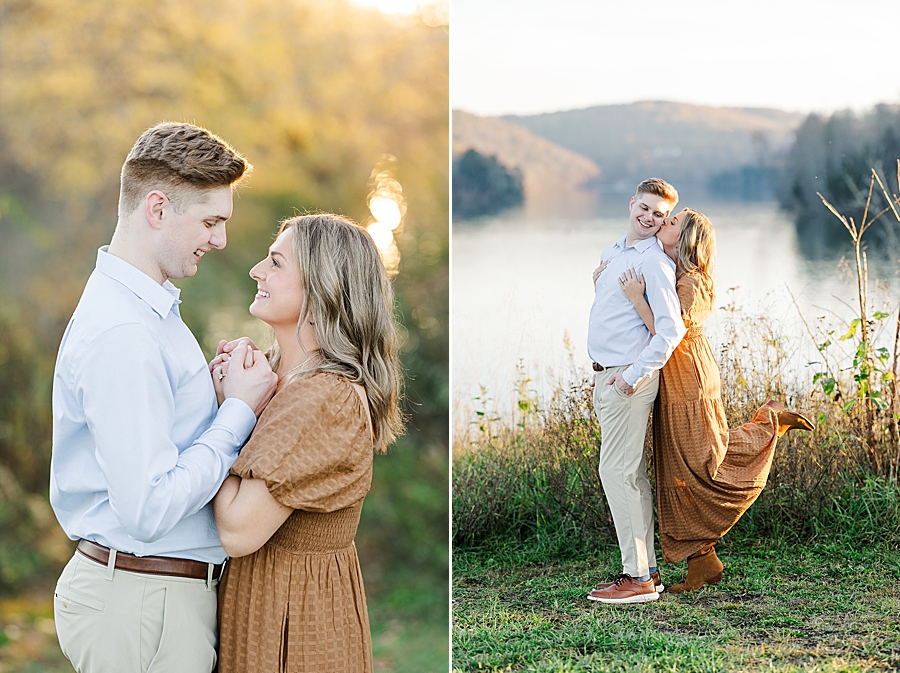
279	288
671	227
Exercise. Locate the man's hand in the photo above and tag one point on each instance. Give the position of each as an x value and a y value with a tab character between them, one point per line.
618	380
249	377
225	348
599	270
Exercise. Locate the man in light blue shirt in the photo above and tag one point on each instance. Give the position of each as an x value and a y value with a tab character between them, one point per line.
627	360
140	445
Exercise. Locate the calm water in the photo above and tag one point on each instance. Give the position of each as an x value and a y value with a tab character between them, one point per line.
521	291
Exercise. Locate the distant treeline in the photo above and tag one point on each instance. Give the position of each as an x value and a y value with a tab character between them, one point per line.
835	156
484	186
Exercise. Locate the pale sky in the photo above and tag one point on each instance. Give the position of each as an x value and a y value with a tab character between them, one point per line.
532	56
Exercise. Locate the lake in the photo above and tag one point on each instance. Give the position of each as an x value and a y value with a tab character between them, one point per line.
521	292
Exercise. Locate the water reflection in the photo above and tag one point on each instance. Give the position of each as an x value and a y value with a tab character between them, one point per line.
521	288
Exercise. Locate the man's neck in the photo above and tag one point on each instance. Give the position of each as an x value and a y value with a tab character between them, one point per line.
128	249
629	241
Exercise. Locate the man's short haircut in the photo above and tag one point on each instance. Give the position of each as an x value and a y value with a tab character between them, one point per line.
181	160
658	187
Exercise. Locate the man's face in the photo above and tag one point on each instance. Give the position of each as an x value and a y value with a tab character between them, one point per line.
669	231
647	212
189	235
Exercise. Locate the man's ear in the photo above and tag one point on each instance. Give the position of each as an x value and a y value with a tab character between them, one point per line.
156	205
631	204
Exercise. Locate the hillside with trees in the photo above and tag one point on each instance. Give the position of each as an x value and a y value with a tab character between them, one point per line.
551	175
834	156
483	186
698	148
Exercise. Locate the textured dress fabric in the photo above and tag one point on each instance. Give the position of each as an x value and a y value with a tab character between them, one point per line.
706	475
297	604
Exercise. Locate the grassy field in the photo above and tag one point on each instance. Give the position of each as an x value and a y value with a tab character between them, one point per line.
819	607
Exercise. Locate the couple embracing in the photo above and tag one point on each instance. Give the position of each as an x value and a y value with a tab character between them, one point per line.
653	293
163	464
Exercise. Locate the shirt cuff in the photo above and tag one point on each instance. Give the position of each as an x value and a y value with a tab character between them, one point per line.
237	417
630	373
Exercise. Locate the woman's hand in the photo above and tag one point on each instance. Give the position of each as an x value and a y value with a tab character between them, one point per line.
599	270
223	351
219	371
632	284
249	378
252	379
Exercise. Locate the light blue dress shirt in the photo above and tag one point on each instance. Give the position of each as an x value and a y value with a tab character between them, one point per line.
139	445
616	334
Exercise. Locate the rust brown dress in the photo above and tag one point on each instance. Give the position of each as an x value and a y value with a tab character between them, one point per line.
706	475
297	604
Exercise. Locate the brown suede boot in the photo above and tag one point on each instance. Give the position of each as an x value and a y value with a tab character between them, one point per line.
788	420
704	567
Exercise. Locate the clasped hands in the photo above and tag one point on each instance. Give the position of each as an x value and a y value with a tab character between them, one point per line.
241	370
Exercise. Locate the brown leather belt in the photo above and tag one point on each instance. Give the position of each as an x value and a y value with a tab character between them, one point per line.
150	565
597	367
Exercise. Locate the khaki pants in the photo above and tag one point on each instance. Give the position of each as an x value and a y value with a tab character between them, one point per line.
114	621
623	468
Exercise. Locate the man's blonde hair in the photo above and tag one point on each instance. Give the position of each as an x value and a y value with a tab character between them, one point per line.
181	160
658	187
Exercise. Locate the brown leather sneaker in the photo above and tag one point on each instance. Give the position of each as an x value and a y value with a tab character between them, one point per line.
657	582
626	589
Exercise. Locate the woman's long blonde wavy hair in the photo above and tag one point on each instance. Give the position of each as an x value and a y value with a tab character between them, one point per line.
696	248
348	299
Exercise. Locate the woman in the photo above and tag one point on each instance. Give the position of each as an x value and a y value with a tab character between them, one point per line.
706	475
292	598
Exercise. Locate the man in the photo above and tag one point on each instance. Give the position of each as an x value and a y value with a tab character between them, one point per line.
140	446
627	359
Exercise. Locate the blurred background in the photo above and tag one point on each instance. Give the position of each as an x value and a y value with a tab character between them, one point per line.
341	107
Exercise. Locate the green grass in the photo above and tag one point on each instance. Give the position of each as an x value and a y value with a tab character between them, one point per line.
818	607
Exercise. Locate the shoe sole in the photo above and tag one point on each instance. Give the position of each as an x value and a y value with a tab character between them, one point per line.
659	587
638	598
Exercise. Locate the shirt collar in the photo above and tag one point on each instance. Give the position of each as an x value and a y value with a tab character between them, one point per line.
640	246
161	298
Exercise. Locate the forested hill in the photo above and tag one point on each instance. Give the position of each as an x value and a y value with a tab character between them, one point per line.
549	172
690	145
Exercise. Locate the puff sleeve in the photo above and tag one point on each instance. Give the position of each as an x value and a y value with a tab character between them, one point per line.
312	445
695	300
